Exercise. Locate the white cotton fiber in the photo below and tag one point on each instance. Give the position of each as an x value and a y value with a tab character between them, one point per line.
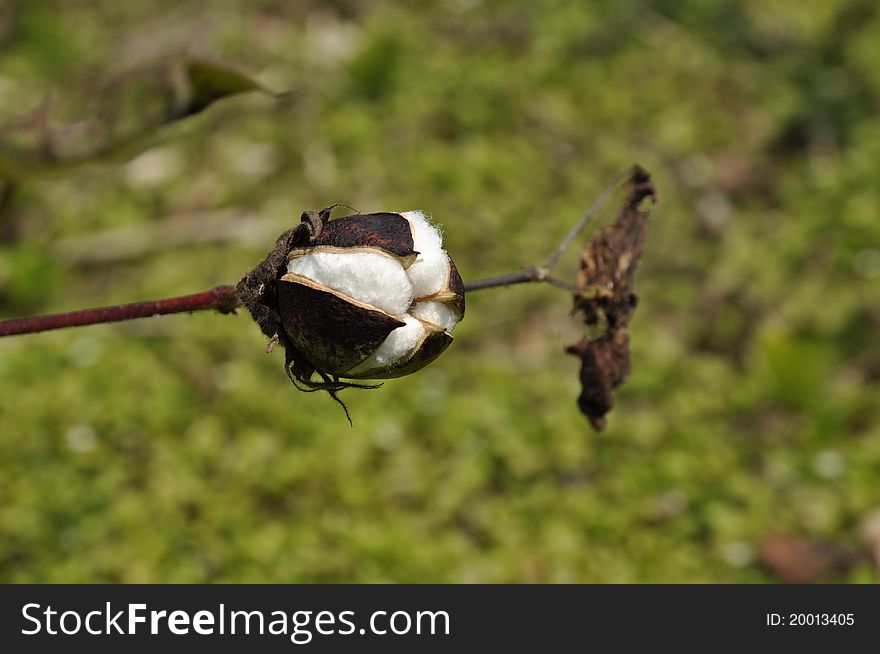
370	277
399	345
428	273
438	313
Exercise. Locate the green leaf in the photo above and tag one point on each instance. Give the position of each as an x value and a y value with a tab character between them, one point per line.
210	81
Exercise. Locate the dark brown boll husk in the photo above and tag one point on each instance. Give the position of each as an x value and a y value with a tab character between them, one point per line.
337	333
455	285
386	231
432	347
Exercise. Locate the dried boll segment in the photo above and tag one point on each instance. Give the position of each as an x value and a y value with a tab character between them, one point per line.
398	348
432	347
389	232
370	296
405	351
334	331
455	288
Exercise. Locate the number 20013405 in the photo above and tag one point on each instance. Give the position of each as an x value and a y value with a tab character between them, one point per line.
810	619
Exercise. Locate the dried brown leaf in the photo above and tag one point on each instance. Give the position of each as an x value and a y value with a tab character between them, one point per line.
608	299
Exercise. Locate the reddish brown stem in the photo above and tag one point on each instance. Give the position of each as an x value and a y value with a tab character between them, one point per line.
219	298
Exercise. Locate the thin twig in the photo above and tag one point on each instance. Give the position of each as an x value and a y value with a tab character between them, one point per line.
502	280
528	274
531	274
584	221
219	298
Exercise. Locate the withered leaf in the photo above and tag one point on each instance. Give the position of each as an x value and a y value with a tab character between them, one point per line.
607	299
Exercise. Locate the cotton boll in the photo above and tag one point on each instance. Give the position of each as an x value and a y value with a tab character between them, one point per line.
428	273
399	345
438	313
370	277
361	297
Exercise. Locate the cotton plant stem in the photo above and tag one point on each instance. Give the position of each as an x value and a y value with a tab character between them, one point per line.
219	298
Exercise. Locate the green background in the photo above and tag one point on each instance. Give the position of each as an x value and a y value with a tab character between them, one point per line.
175	450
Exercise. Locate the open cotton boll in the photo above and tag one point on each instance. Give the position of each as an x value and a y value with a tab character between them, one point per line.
436	312
428	272
364	296
370	277
400	344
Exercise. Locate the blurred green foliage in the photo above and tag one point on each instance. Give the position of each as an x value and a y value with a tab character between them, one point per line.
174	450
